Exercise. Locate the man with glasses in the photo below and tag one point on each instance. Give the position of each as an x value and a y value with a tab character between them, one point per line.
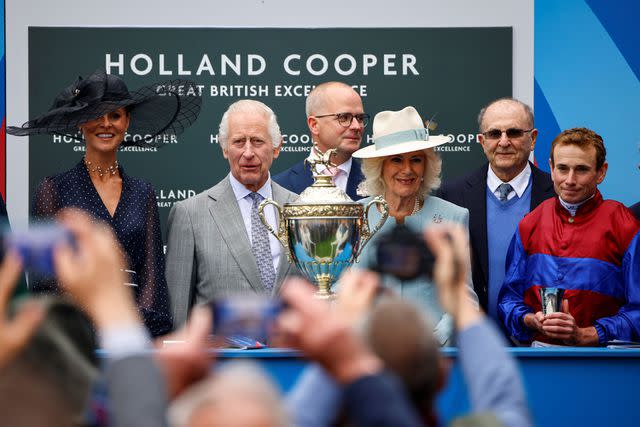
499	193
336	119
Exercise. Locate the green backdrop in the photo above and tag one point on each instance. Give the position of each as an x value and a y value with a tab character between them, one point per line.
449	72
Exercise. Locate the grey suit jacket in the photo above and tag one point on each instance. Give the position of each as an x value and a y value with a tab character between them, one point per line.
137	392
209	252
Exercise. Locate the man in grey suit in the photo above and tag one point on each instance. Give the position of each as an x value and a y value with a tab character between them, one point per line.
216	244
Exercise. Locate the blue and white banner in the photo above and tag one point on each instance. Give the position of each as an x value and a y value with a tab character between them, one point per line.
587	73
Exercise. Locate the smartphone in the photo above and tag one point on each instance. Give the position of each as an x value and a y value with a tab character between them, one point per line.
403	253
35	246
249	316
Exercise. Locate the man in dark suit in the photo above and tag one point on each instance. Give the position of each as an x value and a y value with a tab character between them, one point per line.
336	119
499	193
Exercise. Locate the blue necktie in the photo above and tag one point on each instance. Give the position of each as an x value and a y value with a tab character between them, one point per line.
504	190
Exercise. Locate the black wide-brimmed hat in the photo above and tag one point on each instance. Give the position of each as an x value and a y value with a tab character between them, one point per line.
161	108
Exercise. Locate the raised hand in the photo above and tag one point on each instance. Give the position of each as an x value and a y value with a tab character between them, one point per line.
15	333
324	335
92	271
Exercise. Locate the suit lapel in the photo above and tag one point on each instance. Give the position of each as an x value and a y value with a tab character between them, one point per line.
541	187
303	178
476	196
225	212
281	196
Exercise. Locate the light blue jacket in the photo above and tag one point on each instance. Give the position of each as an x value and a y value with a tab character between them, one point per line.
420	291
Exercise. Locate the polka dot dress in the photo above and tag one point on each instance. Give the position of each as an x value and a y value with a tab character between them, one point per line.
136	224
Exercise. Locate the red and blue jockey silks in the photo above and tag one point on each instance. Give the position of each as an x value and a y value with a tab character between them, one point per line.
594	256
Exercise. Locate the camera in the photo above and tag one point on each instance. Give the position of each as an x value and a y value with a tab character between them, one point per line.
35	246
404	254
245	316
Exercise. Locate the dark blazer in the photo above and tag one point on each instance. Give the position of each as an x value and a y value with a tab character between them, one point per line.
470	192
298	177
636	210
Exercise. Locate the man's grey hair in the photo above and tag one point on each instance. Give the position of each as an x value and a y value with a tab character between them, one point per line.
244	380
528	111
316	100
253	107
373	184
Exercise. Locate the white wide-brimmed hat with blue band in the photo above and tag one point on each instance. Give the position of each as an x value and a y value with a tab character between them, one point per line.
397	132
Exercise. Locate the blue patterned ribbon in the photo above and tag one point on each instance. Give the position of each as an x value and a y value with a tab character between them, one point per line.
402	136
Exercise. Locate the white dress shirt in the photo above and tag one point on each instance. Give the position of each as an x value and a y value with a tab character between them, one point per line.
245	202
519	183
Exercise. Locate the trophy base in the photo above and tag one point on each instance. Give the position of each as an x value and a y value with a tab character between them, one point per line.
325	296
324	291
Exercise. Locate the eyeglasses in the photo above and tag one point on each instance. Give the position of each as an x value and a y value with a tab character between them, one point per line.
512	133
345	119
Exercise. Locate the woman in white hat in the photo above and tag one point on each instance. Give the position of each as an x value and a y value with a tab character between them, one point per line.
402	167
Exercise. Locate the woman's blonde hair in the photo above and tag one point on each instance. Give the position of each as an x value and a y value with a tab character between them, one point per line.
373	184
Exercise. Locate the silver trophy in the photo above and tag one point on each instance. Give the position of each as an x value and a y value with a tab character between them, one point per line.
324	231
551	299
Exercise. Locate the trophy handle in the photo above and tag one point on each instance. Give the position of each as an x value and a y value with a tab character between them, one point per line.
281	234
365	233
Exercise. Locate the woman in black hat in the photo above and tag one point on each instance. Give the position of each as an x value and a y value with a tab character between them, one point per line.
101	111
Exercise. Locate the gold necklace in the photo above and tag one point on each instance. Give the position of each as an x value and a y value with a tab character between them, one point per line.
110	170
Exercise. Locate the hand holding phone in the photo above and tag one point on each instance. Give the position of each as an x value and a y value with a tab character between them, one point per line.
244	317
36	245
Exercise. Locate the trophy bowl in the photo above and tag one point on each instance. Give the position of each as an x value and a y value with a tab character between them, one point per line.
324	231
551	299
